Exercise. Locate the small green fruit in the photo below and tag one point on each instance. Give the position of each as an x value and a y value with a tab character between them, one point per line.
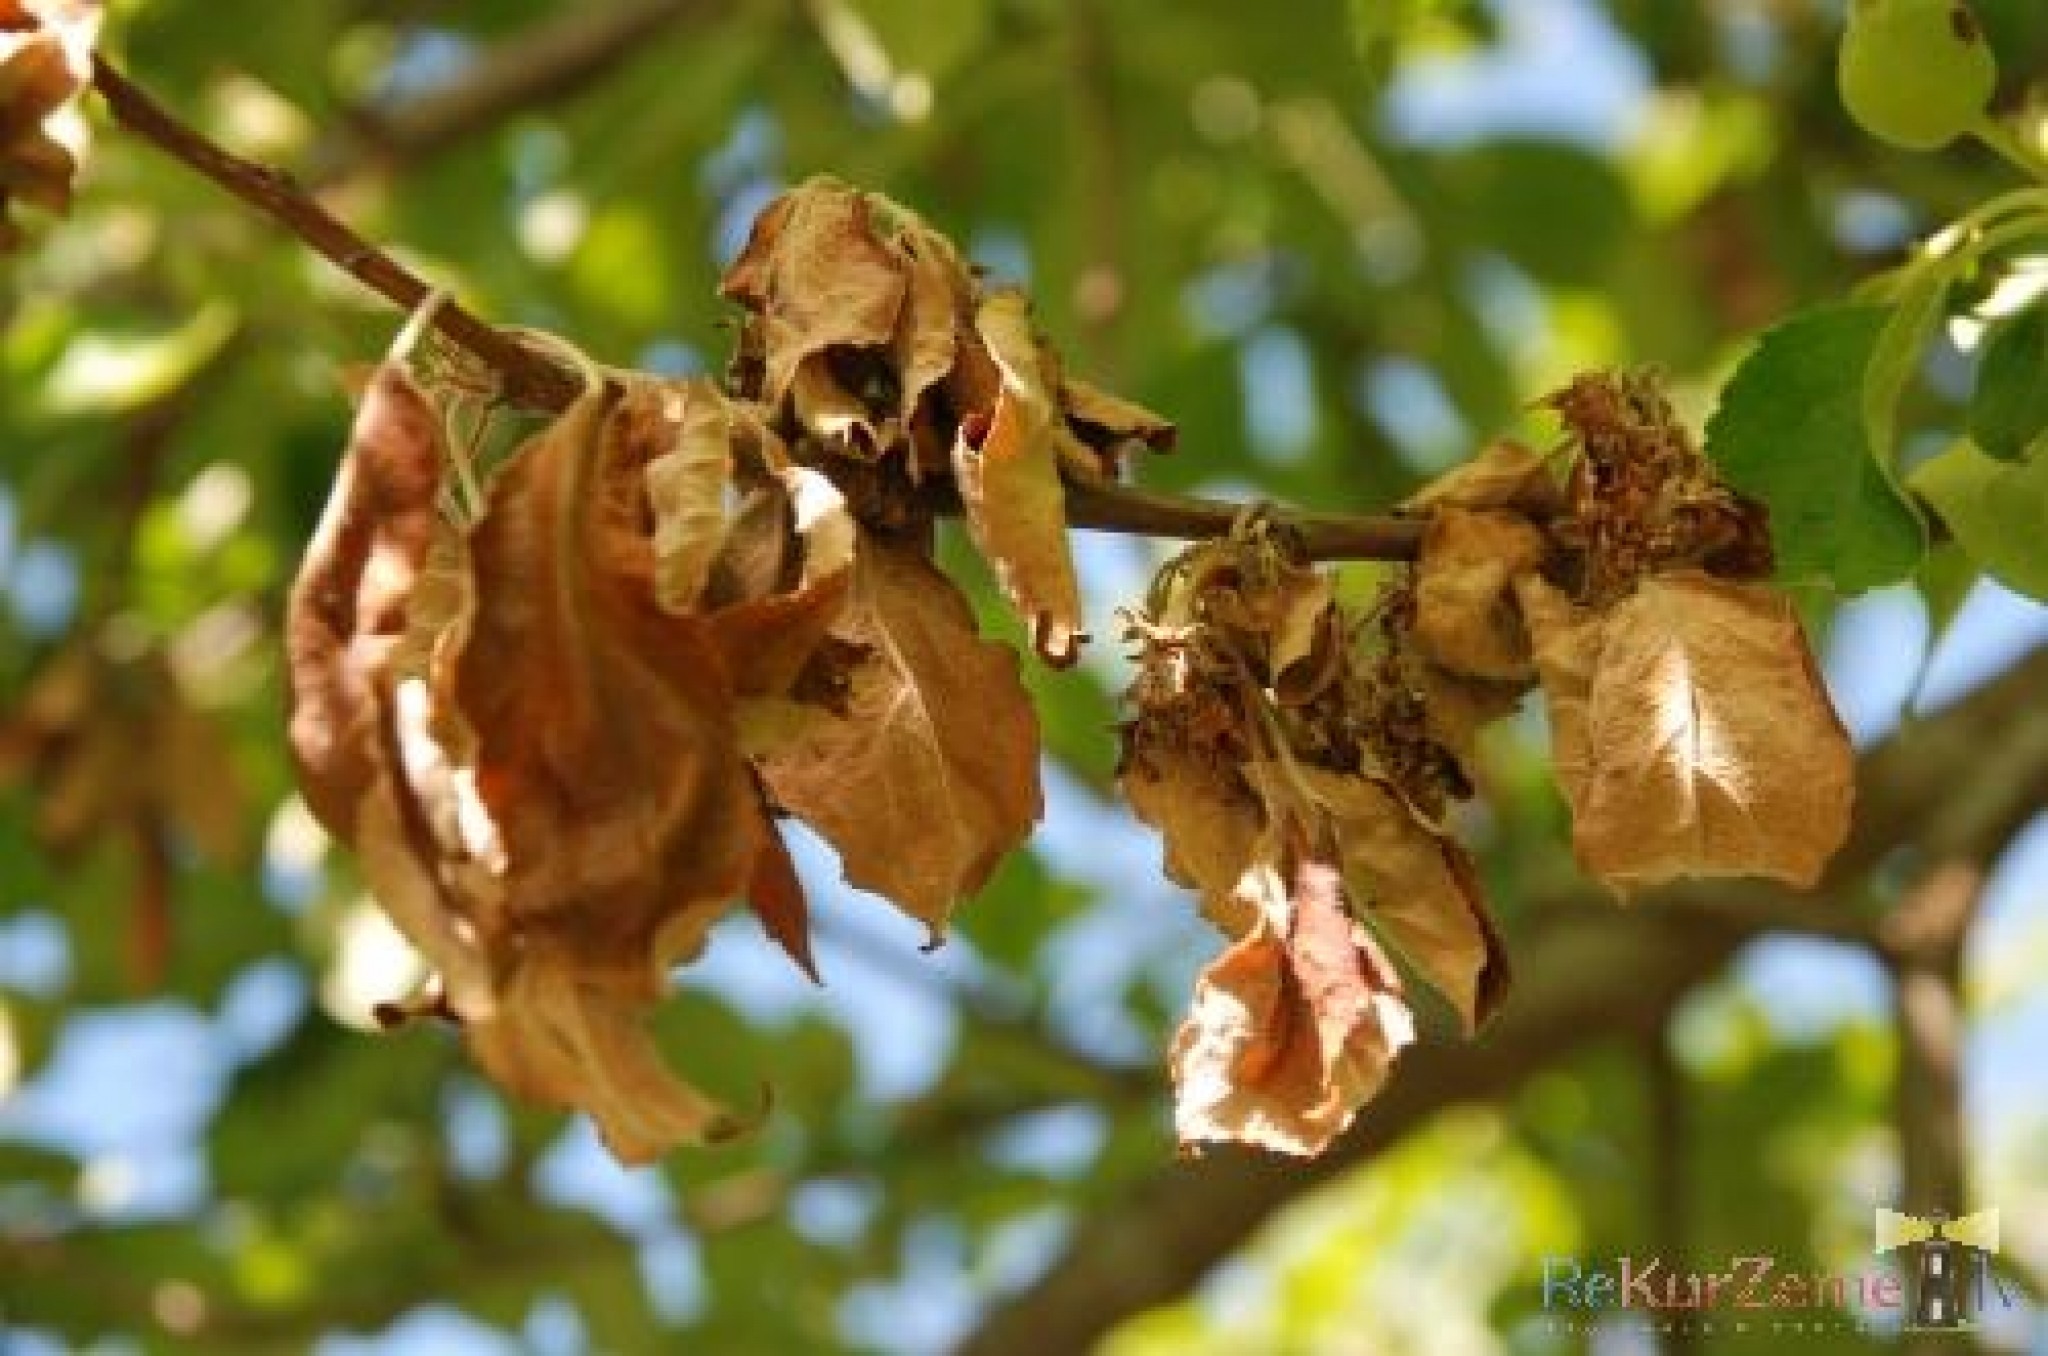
1916	73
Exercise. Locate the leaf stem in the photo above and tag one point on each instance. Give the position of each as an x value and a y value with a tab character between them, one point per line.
2004	140
536	380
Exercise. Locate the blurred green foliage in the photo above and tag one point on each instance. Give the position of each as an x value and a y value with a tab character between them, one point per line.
1269	225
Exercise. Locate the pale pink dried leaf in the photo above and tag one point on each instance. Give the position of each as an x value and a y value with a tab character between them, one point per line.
1466	619
1415	884
932	775
1294	1027
1010	485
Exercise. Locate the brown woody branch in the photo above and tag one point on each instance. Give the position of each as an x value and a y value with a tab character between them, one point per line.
1584	977
542	62
534	380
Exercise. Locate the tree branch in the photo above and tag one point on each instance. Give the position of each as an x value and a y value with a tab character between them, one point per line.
540	63
1585	976
536	381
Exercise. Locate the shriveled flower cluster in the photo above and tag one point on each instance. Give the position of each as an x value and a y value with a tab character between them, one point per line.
1298	760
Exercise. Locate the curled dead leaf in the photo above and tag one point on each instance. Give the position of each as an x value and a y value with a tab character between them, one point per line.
528	733
1010	484
1691	732
818	273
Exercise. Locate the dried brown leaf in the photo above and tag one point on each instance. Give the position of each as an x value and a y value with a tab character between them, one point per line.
1505	475
819	275
605	747
683	436
1691	733
1109	423
46	49
1209	822
932	775
348	606
1465	615
1009	481
939	303
1416	884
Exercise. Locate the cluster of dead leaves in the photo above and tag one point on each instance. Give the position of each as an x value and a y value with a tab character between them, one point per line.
556	708
45	60
868	332
1276	759
556	718
1298	761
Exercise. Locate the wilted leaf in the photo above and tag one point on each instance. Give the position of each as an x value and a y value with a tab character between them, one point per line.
348	606
1691	733
837	417
1294	1027
1009	480
932	773
938	303
605	748
687	434
46	51
535	759
1505	475
1465	616
768	637
1209	821
1112	425
1416	884
819	275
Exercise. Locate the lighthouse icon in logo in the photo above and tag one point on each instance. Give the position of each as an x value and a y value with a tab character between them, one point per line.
1950	1261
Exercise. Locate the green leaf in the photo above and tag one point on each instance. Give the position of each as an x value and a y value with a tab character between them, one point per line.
1899	345
1995	509
2009	412
1790	432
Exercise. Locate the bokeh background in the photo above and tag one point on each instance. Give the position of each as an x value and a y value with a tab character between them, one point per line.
1342	246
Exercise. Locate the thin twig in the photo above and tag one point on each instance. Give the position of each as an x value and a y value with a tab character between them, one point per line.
534	380
529	377
543	62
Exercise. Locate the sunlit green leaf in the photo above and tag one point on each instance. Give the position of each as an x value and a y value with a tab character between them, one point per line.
1790	432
